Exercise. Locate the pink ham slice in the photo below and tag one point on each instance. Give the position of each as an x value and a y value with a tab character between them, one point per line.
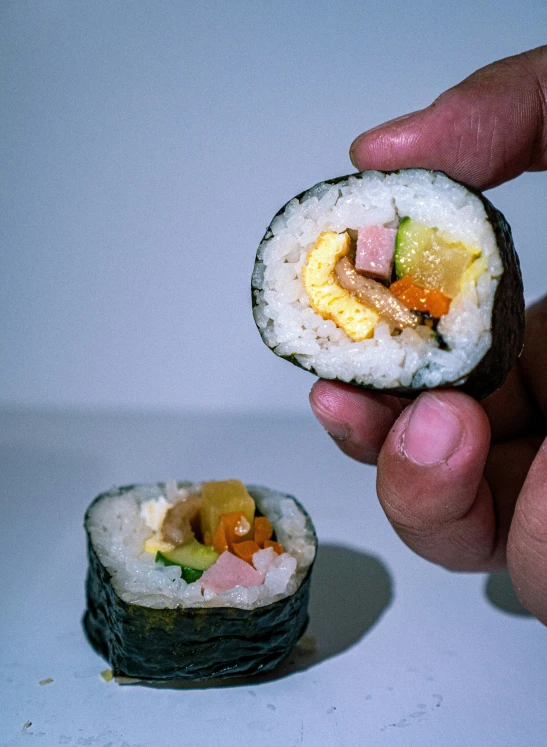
375	250
229	571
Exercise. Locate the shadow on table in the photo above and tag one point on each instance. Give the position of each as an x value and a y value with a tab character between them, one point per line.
500	592
350	590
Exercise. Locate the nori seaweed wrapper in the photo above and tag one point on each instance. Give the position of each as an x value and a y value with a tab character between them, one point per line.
507	313
165	645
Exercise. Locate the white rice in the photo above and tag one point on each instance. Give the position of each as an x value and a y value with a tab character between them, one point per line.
290	326
118	532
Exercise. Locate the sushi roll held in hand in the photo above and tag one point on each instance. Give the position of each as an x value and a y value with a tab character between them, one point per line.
398	281
197	581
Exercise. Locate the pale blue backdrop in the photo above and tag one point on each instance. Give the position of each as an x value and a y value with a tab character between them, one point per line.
145	147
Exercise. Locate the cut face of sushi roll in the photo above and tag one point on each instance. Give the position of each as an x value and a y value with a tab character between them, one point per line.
399	281
196	581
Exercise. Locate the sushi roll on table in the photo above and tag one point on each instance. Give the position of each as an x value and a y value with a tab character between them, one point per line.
196	581
398	281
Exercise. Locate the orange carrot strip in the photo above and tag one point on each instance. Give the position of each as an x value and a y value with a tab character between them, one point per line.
275	545
429	301
220	543
246	550
407	281
263	529
232	523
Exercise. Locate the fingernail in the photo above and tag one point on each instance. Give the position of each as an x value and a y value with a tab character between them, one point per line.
373	129
433	432
339	431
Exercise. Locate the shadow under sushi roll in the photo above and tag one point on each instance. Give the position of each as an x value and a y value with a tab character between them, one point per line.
350	591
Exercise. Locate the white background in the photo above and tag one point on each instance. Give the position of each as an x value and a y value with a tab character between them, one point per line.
147	145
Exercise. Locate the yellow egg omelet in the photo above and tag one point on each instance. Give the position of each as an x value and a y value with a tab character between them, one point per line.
156	544
326	296
474	271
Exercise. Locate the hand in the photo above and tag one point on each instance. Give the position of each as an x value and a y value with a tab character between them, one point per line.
464	484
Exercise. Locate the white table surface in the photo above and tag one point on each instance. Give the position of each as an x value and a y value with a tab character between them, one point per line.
406	654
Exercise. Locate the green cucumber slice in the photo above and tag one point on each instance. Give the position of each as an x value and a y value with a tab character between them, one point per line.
411	240
188	574
192	554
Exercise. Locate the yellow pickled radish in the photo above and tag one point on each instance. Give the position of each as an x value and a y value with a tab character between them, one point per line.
435	259
224	497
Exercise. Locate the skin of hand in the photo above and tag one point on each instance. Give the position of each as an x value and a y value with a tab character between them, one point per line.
464	483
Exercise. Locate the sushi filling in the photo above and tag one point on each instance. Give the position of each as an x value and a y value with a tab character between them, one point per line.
212	544
386	280
427	274
215	536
